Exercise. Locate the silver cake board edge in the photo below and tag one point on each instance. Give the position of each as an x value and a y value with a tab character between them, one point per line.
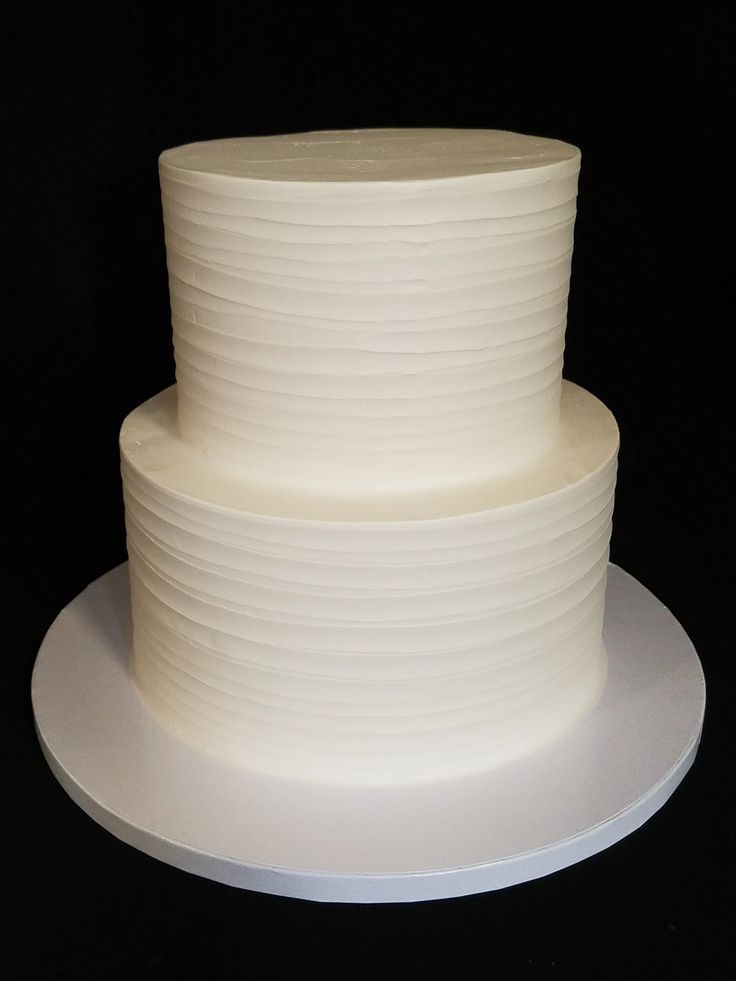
330	844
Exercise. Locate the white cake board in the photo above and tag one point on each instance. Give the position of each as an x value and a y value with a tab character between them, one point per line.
368	846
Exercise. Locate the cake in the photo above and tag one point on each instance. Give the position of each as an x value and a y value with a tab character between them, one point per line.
368	528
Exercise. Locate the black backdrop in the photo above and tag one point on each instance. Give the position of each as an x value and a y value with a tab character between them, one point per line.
96	93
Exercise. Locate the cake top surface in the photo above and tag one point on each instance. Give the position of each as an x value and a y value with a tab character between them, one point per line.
151	444
371	155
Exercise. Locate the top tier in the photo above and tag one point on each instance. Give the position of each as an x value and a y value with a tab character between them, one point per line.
370	310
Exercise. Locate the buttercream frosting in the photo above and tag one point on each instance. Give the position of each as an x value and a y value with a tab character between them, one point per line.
368	529
359	651
382	309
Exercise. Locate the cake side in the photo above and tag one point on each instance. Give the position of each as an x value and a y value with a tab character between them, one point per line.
368	653
369	331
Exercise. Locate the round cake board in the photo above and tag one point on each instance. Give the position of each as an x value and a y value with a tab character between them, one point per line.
333	844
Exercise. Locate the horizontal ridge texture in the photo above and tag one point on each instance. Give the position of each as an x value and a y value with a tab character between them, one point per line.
368	530
367	652
331	335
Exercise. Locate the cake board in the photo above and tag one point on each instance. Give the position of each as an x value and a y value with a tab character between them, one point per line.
336	844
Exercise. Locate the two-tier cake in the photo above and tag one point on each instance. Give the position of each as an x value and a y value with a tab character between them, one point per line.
368	529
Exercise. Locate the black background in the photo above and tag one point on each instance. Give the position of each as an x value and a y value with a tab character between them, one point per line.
96	92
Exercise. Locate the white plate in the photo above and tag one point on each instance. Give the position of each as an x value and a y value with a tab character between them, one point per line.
389	845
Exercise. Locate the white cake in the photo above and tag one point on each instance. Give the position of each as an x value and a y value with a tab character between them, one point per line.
368	529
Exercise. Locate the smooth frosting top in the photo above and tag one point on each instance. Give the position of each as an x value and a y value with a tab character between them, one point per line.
372	155
151	445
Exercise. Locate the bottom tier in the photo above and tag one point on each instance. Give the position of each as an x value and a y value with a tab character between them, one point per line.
375	641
